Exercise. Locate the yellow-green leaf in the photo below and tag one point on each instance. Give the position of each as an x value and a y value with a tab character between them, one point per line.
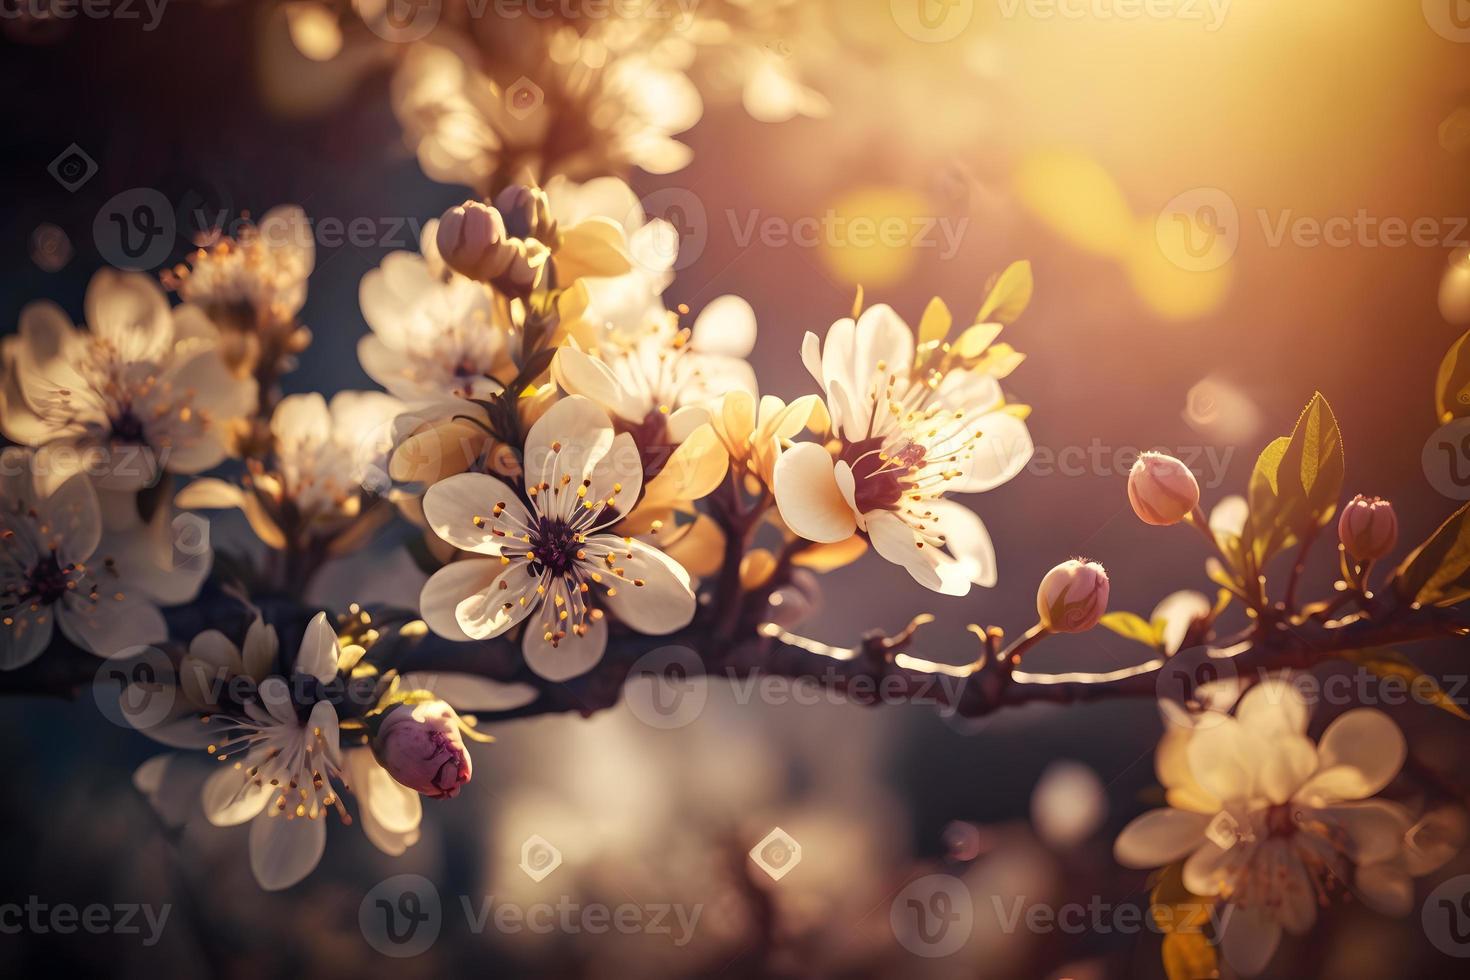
1008	295
1134	627
937	320
1296	483
1391	663
1437	573
1452	387
1189	956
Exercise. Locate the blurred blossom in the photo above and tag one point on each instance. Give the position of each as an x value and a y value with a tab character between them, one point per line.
1068	804
50	248
963	841
1221	411
314	29
1454	289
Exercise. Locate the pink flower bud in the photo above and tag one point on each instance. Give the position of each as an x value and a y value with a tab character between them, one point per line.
421	747
472	241
1162	490
1368	528
1073	596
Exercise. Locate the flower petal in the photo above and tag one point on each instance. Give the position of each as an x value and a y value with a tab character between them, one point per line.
570	657
663	603
725	326
319	650
462	510
283	851
230	796
1159	837
1359	754
1250	938
897	542
808	497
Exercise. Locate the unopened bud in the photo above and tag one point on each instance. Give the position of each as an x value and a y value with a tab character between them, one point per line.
1162	490
527	212
1073	596
1368	528
472	241
421	747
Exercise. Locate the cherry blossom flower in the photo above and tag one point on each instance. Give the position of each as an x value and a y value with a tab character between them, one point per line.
60	567
910	432
659	384
145	390
1272	823
436	334
551	559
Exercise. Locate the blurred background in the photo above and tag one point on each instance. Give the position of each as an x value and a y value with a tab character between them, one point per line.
1227	206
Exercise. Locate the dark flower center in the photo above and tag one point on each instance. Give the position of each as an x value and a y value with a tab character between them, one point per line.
1281	820
127	428
879	476
48	580
554	545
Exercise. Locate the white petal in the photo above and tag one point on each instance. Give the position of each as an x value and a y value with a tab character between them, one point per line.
27	637
1222	760
231	797
130	310
283	851
390	811
662	604
808	497
1274	706
1250	939
897	542
1385	887
319	650
510	598
725	326
581	374
1178	610
617	479
1160	837
1288	761
453	505
1375	827
450	586
74	515
969	543
881	335
572	655
581	431
1360	753
1003	450
111	627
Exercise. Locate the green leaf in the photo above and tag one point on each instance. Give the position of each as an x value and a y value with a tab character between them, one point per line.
1296	484
1391	663
1134	627
1452	386
1008	295
1437	573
